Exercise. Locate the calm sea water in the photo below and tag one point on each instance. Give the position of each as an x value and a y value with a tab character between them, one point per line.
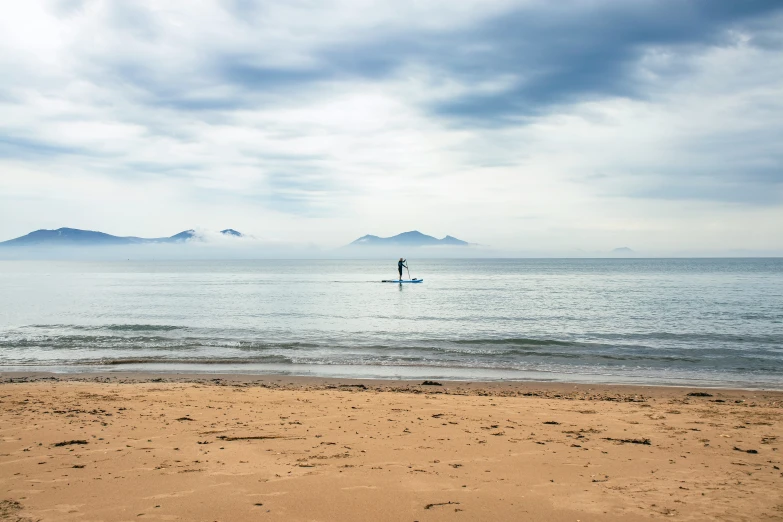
681	321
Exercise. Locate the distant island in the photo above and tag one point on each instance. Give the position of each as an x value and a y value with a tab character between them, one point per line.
412	238
77	237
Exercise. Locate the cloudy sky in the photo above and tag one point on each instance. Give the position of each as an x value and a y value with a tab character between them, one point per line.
543	126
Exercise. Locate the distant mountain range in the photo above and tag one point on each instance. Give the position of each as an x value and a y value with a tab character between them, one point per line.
412	238
76	237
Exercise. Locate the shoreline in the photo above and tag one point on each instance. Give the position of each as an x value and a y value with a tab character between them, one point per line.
122	447
381	384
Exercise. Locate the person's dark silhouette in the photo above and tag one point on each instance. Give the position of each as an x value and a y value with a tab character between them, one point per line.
400	265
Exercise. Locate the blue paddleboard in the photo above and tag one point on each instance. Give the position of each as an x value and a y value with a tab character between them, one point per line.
402	281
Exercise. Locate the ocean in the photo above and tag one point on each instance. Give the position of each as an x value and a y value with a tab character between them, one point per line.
706	322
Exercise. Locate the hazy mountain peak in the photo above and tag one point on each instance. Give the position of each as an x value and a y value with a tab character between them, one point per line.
623	252
451	240
365	239
410	238
75	237
65	235
184	235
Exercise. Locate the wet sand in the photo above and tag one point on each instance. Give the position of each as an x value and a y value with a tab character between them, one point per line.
233	448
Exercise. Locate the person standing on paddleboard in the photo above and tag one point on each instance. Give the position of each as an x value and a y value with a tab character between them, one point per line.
400	265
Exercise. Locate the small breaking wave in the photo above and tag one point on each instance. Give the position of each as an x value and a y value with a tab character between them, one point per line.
515	341
270	359
111	327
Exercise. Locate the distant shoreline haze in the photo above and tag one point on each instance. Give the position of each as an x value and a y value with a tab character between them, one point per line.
77	237
77	244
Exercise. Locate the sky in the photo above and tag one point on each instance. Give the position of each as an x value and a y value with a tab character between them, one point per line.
528	126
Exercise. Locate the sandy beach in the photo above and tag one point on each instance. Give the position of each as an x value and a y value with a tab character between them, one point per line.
220	448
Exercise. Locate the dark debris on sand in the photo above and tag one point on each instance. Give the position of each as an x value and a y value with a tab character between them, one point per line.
645	442
9	510
69	442
586	393
436	504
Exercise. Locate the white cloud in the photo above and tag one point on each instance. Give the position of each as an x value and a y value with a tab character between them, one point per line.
320	122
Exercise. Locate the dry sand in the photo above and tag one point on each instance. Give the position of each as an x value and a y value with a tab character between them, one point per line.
236	449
